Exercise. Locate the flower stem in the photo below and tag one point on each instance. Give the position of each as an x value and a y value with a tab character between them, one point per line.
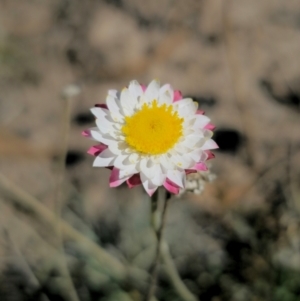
173	274
159	205
158	223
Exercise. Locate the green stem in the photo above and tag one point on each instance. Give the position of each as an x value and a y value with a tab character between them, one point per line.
158	223
159	204
173	274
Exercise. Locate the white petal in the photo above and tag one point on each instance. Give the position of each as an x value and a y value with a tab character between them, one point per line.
207	134
152	91
119	161
166	162
113	93
128	171
104	121
104	159
147	167
149	186
103	130
114	108
122	162
134	158
183	102
197	155
118	147
128	102
135	89
142	101
97	135
177	176
112	103
200	143
203	157
181	148
166	94
189	122
90	133
115	178
166	87
159	176
111	134
117	134
183	161
99	112
193	140
210	144
159	179
200	121
188	109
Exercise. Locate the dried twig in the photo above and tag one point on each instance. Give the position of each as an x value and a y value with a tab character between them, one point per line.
66	99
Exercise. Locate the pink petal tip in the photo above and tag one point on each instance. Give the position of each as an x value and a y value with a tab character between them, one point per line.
188	171
86	133
144	88
96	149
210	127
101	105
114	179
171	186
133	181
200	167
210	155
177	96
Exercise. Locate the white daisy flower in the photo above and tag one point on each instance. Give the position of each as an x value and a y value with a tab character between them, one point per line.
150	136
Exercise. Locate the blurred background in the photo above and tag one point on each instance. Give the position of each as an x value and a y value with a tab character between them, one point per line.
64	235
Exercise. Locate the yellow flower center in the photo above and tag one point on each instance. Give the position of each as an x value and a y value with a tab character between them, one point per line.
153	129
